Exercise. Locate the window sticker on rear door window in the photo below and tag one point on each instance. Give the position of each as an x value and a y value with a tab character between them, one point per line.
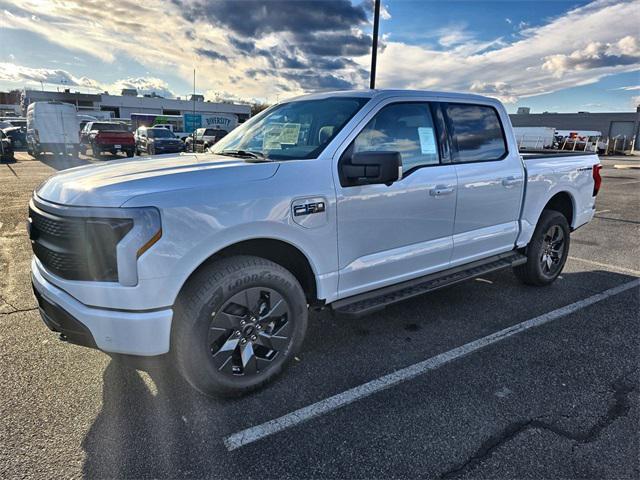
427	140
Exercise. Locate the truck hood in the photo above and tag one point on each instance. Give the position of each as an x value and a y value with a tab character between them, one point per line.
112	184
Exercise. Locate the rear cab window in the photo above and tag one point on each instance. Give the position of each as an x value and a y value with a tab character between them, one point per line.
476	133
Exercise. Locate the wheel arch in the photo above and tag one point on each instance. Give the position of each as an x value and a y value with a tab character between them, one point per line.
564	203
278	251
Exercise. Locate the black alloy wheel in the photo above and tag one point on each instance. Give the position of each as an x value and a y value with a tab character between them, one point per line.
552	250
249	331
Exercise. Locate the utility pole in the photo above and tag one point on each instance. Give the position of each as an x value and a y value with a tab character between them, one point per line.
374	49
193	119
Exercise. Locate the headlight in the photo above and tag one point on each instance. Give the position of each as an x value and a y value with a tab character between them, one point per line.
92	244
102	236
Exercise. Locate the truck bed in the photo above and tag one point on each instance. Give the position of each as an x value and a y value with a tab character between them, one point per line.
552	154
550	174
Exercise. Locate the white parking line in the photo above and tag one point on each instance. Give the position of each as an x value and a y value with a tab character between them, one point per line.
606	265
330	404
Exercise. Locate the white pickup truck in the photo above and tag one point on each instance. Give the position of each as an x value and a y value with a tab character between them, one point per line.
351	201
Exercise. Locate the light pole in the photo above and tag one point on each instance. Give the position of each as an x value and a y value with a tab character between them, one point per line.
374	49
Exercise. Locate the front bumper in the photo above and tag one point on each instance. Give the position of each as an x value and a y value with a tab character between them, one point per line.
114	331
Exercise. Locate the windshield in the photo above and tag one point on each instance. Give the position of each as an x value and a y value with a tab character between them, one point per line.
108	126
299	129
160	133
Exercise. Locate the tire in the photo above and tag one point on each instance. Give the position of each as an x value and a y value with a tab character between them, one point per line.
547	251
95	151
151	150
214	329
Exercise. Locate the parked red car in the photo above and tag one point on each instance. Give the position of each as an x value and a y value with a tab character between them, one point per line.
110	137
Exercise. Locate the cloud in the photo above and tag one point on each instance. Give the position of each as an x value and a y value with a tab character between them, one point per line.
144	86
384	12
495	89
303	42
211	54
542	61
629	88
454	35
328	28
11	72
595	55
259	49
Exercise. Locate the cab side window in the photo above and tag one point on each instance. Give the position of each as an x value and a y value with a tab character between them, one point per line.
406	128
476	133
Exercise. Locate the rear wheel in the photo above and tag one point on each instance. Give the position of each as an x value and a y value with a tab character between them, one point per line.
95	150
238	323
547	251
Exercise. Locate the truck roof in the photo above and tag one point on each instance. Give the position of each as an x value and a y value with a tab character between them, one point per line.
386	93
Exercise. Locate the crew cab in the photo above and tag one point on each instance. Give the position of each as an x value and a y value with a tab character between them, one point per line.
350	201
109	137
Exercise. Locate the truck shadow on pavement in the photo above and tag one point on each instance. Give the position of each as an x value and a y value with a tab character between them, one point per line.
147	432
62	162
154	425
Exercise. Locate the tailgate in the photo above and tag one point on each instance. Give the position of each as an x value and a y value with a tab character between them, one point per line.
115	138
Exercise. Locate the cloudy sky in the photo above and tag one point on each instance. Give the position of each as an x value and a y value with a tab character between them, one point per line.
549	55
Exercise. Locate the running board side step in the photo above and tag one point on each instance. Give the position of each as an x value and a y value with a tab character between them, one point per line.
369	302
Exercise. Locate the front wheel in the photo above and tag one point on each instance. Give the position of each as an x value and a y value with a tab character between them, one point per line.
547	251
238	323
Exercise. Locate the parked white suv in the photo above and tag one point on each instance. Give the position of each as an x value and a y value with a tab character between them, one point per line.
350	200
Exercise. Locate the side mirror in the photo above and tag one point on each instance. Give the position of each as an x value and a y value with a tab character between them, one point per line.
367	168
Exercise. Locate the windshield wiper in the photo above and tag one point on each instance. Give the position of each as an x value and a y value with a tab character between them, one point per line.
244	154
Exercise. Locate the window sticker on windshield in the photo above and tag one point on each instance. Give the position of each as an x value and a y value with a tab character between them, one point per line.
271	139
278	134
289	133
427	140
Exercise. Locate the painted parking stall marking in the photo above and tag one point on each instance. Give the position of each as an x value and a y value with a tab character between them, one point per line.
292	419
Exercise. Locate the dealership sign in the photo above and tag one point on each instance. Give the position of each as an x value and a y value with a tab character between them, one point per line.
224	121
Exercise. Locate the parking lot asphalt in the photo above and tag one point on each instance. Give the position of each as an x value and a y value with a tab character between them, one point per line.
560	400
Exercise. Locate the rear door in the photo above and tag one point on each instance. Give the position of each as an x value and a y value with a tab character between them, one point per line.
490	181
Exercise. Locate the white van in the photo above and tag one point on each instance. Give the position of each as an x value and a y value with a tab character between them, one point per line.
52	127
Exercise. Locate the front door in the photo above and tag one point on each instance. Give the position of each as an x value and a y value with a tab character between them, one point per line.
387	234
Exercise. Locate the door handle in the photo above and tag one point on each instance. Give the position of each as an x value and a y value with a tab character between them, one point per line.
510	181
440	190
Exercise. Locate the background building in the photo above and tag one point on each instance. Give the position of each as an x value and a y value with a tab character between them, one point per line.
122	106
614	124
